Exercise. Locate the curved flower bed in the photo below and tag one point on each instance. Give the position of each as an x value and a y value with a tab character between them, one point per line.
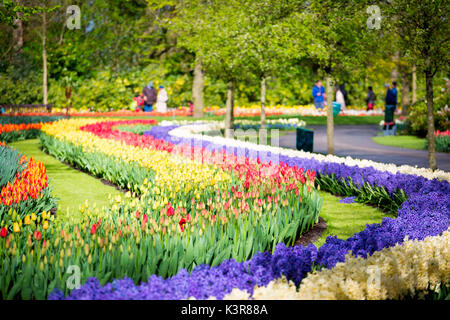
26	192
425	213
14	132
184	213
403	271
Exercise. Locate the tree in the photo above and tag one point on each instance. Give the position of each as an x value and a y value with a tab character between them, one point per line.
213	31
338	40
11	11
424	32
265	43
184	19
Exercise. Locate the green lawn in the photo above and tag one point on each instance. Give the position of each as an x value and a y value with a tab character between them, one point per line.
408	142
72	187
343	220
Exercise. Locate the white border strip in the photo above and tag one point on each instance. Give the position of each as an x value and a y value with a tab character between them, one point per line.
191	131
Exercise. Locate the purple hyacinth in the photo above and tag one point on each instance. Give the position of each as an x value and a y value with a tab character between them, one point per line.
425	213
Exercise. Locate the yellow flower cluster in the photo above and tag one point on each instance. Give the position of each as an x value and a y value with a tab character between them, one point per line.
172	173
392	273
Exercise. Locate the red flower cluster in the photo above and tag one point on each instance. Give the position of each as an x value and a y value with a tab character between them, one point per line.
27	184
105	130
19	127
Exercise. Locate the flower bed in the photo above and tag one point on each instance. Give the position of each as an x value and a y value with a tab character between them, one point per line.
188	213
14	132
442	141
24	189
424	213
409	270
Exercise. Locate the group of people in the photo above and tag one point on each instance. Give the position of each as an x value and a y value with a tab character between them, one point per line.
150	97
341	96
319	95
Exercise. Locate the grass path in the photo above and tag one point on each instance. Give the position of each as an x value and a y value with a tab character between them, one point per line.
345	219
408	142
72	187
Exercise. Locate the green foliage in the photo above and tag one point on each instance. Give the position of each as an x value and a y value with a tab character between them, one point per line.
442	143
365	193
10	11
418	117
18	135
24	91
9	165
28	119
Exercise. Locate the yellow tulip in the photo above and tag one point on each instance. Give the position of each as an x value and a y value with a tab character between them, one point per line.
33	216
45	225
16	227
27	220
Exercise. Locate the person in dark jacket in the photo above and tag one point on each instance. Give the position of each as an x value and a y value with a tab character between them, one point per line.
150	96
391	103
370	100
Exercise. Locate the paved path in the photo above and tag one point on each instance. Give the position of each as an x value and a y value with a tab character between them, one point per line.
356	141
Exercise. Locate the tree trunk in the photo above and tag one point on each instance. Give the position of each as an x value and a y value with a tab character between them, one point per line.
197	89
330	128
394	72
263	102
229	116
414	85
44	55
405	91
18	32
430	119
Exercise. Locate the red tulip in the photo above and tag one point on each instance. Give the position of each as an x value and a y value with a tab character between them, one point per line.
3	232
137	214
37	235
144	218
93	229
182	223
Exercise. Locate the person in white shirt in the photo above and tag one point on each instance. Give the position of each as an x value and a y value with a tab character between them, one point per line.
340	98
161	101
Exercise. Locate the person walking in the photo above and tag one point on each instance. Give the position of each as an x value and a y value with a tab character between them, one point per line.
150	94
340	97
391	102
394	92
344	93
370	100
161	101
318	93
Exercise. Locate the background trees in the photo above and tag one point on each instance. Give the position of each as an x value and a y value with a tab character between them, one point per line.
424	30
218	52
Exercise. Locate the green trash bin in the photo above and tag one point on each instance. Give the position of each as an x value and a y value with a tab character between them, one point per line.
305	139
336	108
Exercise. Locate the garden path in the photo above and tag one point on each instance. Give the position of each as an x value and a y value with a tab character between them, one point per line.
356	141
